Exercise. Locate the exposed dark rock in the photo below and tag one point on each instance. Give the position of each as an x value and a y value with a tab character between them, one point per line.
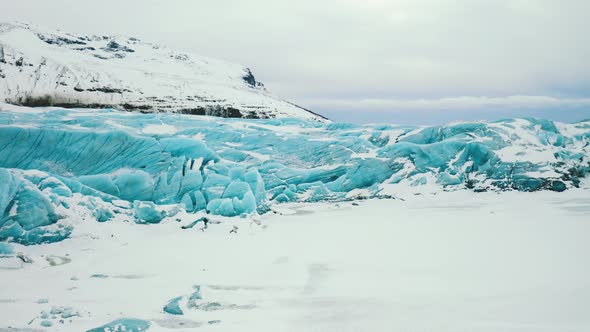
47	101
214	110
250	79
231	112
88	48
102	89
180	57
78	105
113	46
131	107
61	40
42	101
108	90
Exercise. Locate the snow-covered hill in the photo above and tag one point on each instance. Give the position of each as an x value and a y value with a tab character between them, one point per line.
52	68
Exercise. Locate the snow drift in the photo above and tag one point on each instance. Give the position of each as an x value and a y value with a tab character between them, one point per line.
58	166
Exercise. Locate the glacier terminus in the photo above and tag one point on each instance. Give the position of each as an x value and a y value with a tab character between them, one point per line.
58	165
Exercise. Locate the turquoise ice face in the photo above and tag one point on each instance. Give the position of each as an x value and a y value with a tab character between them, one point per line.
124	325
51	159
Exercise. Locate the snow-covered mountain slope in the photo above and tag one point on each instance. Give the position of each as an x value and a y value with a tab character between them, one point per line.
52	68
58	166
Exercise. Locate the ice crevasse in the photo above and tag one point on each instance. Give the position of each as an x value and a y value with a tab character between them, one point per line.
57	165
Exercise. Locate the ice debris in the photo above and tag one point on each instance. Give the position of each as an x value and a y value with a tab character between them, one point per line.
173	306
56	314
194	301
124	325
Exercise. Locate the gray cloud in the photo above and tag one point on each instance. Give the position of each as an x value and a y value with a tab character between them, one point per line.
452	103
379	54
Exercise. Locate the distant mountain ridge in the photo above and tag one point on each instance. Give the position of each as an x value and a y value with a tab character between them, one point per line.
39	67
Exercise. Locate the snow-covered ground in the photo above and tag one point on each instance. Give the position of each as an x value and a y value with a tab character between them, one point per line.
455	261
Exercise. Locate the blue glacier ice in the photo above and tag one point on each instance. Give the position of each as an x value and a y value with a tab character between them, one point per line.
55	163
6	249
173	306
124	325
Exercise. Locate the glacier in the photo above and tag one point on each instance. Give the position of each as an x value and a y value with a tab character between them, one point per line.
60	166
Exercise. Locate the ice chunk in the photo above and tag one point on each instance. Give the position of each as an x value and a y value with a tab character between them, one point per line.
64	312
6	249
124	325
196	294
26	213
173	306
148	212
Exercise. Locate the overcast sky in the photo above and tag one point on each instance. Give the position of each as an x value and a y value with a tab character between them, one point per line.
406	61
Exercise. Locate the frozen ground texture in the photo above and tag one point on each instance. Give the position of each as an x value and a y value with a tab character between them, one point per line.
39	67
59	166
451	262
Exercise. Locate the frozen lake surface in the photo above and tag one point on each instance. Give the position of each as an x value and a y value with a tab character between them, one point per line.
455	261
